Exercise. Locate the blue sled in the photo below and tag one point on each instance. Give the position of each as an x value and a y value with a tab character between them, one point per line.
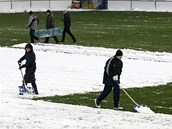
47	32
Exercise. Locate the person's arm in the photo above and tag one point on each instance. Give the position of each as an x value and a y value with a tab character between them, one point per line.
21	59
31	21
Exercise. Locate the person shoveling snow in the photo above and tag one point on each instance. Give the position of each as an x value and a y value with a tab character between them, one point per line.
30	66
112	72
111	79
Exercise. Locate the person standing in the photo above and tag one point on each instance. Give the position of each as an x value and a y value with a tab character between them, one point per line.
111	79
32	25
30	66
50	24
67	23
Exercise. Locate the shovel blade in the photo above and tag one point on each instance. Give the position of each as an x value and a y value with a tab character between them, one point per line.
25	89
143	109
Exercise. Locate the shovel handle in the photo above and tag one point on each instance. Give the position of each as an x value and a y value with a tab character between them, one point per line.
129	96
23	77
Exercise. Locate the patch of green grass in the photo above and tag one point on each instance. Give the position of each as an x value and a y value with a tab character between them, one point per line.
158	98
150	31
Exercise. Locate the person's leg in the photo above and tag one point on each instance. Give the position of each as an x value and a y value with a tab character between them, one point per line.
71	35
34	87
46	40
107	89
31	36
55	39
63	35
116	94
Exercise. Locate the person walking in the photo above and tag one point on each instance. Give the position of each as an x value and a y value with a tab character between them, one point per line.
67	23
50	24
111	79
30	66
32	25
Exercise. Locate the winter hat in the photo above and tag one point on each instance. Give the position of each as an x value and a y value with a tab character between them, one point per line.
30	12
29	46
65	11
48	11
119	53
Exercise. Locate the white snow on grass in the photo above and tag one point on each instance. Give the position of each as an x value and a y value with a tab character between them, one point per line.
67	69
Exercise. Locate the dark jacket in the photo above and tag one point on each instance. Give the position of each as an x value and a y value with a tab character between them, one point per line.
66	20
50	22
30	66
113	67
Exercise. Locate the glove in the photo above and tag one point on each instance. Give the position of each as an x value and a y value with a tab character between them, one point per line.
20	67
115	78
19	63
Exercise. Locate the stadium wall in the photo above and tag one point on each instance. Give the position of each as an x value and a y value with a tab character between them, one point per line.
56	5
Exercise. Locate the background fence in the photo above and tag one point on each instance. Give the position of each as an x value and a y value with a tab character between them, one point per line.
117	5
36	5
142	5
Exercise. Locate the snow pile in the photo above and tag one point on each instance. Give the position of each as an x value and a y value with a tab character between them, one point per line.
143	109
67	69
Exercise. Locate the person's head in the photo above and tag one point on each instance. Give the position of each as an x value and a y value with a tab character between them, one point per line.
28	47
48	12
30	12
119	54
65	11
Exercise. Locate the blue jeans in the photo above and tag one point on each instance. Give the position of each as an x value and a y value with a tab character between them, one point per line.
107	89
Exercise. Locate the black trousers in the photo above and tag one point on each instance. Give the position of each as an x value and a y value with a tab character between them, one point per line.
54	37
67	30
107	89
30	78
34	86
32	36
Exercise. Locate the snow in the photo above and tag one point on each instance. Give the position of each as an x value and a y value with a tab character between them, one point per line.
68	69
143	109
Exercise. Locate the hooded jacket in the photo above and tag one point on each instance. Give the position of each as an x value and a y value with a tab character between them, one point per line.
50	21
33	22
66	20
30	64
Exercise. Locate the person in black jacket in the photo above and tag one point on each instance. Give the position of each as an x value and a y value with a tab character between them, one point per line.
30	66
111	79
50	24
67	24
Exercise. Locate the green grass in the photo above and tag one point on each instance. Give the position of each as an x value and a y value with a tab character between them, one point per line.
158	98
150	31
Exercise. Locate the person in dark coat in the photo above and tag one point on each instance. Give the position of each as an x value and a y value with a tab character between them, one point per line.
30	66
32	25
67	24
111	79
50	24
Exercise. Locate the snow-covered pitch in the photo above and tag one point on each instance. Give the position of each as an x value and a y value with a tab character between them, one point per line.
67	69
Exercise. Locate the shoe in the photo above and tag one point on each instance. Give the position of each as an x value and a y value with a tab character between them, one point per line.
118	108
97	103
20	93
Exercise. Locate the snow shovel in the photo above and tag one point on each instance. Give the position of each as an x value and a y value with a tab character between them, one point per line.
138	108
24	88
